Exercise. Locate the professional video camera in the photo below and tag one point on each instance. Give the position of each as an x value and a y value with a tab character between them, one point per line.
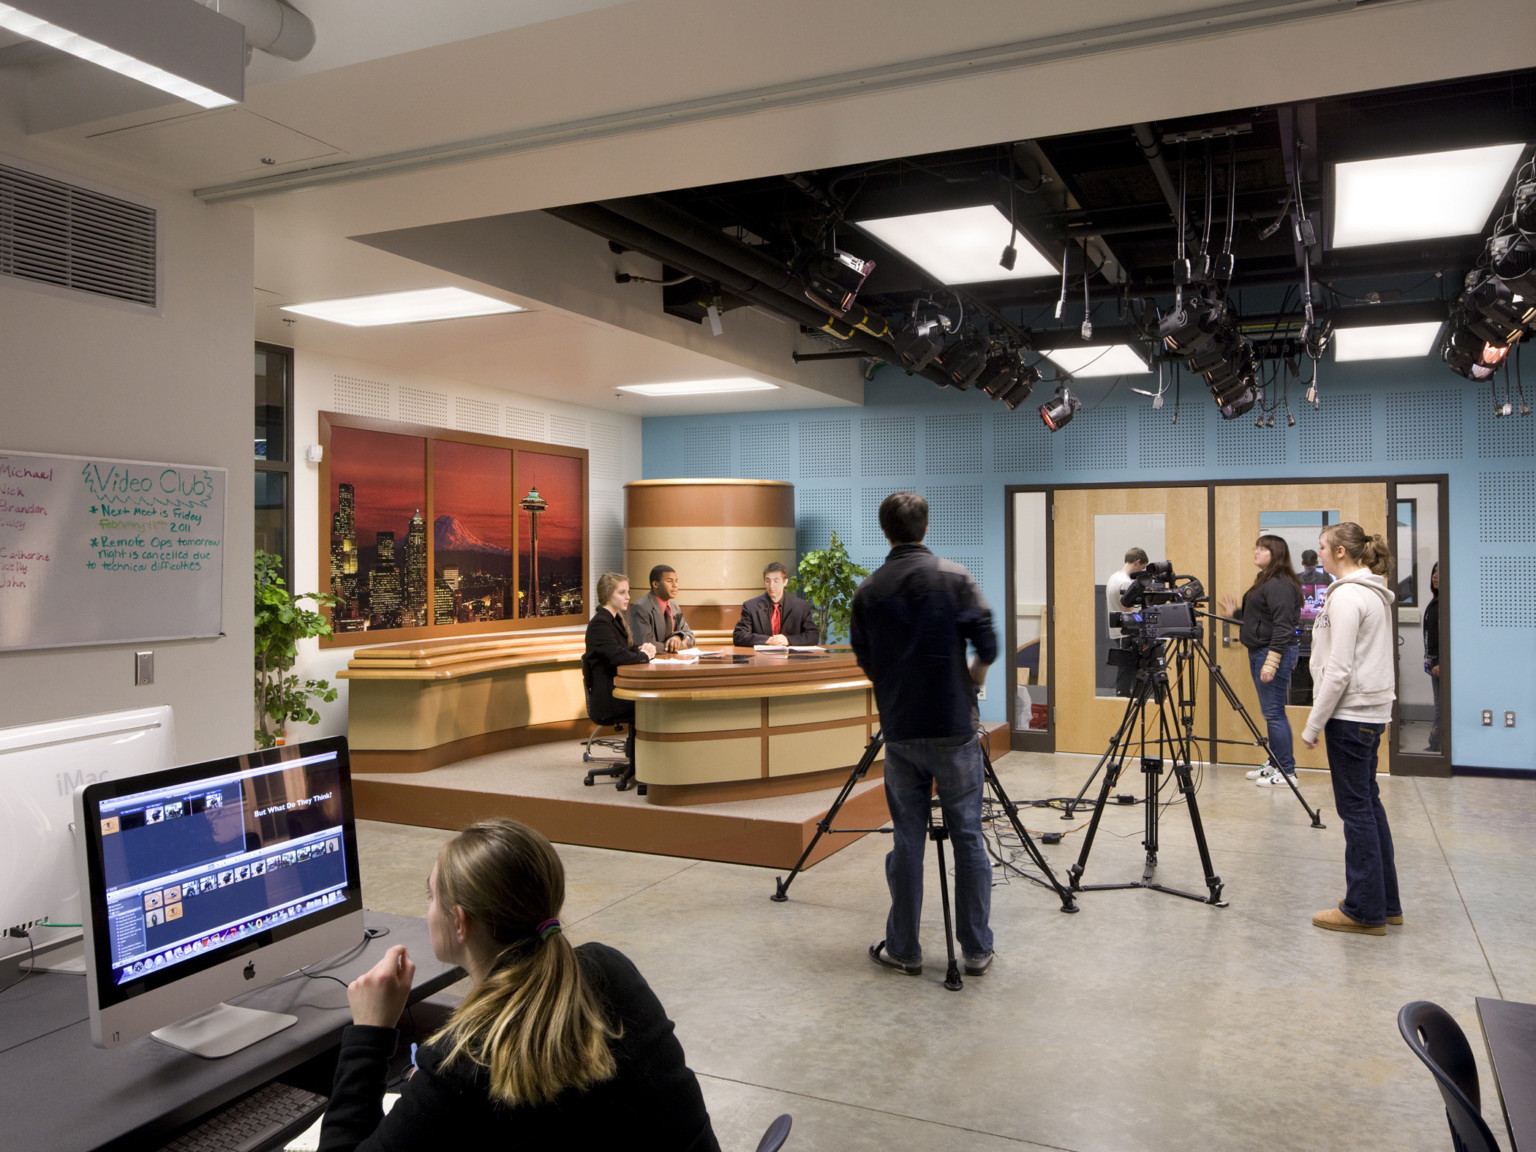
1166	605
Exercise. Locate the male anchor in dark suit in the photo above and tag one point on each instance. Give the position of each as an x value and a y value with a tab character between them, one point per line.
657	618
776	617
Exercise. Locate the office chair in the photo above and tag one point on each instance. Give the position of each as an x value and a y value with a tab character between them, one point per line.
618	767
1438	1040
778	1132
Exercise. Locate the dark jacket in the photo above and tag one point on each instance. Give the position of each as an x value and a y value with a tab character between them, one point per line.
648	622
1432	630
1315	576
911	621
608	647
654	1098
1270	614
756	623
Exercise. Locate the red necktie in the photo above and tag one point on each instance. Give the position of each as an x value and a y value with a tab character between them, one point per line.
774	631
670	629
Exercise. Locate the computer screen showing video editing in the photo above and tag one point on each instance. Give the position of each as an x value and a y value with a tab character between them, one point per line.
194	865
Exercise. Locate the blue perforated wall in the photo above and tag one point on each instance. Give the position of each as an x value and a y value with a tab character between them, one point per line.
960	450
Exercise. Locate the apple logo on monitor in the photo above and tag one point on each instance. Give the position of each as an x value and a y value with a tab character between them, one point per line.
250	971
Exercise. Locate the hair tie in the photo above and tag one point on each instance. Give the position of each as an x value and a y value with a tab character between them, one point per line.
547	929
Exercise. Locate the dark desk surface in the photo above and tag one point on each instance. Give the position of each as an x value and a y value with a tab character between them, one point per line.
1510	1030
59	1093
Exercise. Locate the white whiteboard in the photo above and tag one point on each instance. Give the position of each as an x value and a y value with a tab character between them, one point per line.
96	551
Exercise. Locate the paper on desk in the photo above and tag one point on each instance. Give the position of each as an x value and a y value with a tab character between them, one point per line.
691	656
309	1139
694	651
787	648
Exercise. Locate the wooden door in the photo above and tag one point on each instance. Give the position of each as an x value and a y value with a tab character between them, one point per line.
1085	721
1238	511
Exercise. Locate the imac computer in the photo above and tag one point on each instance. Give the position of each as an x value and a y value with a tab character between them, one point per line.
203	882
41	765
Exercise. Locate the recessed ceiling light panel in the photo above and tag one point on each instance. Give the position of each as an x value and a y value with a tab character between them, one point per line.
403	307
1386	341
959	246
1100	360
1419	197
699	387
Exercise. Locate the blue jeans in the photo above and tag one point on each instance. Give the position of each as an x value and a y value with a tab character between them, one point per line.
1370	872
1272	704
912	768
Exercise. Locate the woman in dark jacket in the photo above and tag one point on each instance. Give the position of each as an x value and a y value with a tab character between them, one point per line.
554	1046
1432	651
609	645
1270	612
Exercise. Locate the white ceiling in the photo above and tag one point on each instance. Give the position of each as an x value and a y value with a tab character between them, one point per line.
390	77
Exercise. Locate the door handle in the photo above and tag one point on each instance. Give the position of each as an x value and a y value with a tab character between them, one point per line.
1226	634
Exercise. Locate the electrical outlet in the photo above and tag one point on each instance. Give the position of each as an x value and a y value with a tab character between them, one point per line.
1509	719
1487	717
143	668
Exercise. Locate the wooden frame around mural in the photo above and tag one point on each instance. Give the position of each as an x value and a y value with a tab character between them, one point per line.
518	449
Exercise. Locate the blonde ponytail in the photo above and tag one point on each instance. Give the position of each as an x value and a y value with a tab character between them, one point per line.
534	1023
1370	552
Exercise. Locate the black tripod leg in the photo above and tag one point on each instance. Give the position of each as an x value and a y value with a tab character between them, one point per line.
938	833
1070	812
1127	729
1258	737
1187	786
824	825
1068	904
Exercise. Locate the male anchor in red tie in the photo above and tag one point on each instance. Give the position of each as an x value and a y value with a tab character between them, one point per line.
777	617
657	618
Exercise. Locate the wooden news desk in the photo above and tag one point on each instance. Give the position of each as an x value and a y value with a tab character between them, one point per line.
747	724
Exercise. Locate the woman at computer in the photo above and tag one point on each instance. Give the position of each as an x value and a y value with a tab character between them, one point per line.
555	1046
1270	612
1353	651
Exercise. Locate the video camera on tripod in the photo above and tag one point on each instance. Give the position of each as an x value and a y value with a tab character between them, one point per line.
1165	608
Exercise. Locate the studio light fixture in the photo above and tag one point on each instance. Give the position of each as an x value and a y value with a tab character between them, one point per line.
921	339
1386	341
413	307
179	46
959	245
1469	355
1399	198
1058	413
1007	378
699	387
965	361
1098	360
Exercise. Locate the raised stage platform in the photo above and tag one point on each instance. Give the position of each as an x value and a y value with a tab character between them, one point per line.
541	786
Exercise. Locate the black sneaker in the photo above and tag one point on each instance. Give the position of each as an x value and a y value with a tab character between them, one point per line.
878	954
978	965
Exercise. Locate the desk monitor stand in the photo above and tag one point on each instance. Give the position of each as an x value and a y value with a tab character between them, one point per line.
222	1030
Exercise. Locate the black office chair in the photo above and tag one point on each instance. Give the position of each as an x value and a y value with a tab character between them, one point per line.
777	1133
619	766
1438	1040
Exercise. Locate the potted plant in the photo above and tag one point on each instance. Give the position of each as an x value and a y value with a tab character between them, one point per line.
281	622
828	578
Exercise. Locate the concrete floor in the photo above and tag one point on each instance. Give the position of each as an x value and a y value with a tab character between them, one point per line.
1143	1022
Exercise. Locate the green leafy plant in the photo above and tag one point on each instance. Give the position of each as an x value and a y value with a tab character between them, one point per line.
281	622
828	578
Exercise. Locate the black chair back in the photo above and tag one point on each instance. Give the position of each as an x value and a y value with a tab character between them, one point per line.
778	1132
1438	1040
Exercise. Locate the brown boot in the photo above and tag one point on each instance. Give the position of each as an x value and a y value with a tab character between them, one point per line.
1334	920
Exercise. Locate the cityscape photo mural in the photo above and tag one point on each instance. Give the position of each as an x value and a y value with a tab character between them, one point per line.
448	532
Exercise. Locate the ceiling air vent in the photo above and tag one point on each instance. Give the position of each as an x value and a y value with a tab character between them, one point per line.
57	233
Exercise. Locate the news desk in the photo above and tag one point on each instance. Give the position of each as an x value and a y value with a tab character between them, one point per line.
741	724
60	1094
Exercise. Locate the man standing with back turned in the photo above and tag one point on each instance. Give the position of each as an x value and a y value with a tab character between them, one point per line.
911	622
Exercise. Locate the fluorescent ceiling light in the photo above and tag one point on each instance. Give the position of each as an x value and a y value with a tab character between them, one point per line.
1386	341
403	307
699	387
1100	360
1418	197
960	246
55	36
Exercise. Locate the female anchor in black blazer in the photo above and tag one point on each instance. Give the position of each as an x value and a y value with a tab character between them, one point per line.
609	646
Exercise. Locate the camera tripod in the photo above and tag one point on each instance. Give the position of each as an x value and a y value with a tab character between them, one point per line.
938	832
1151	687
1186	651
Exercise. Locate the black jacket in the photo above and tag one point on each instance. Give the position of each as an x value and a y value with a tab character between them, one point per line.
653	1100
608	647
911	621
756	623
1270	614
1432	630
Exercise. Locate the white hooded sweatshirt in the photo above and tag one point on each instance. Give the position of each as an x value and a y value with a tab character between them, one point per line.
1352	653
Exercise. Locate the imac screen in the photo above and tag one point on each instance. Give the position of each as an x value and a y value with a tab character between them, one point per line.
194	862
1312	601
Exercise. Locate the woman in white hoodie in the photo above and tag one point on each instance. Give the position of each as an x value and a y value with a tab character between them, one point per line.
1352	694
